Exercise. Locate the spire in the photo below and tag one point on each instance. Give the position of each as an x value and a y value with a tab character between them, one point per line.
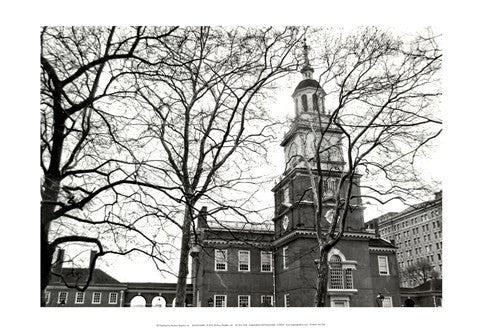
307	70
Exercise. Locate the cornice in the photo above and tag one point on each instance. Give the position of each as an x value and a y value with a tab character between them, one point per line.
311	234
382	249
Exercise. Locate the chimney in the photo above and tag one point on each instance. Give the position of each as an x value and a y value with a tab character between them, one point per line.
58	261
202	218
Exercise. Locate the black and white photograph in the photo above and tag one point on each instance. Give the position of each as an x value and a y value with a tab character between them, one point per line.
221	174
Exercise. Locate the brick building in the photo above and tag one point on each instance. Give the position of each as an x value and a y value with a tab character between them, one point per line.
416	232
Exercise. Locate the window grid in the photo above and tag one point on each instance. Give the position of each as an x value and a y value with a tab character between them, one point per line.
266	261
220	259
112	298
47	297
220	301
336	272
348	279
96	297
267	299
287	300
79	297
383	265
285	257
387	302
243	260
244	301
62	297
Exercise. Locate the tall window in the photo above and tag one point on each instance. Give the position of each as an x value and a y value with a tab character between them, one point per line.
286	195
341	277
79	297
220	259
96	298
286	300
112	298
285	257
62	298
243	260
220	301
304	103
47	297
266	261
315	102
383	265
244	301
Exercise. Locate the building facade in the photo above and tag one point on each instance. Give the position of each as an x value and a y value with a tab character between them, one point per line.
417	234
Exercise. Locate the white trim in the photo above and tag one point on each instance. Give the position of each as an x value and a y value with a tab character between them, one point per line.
285	255
285	297
66	297
110	301
82	294
344	299
262	299
47	295
243	295
268	254
224	262
224	301
99	298
386	265
248	259
390	300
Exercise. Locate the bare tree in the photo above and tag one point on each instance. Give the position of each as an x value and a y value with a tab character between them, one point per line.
207	123
378	118
419	272
89	174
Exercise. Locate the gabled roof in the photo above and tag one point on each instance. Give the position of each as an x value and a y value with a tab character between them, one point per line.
80	276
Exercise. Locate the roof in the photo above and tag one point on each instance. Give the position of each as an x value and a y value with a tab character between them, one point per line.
80	275
379	242
309	83
432	285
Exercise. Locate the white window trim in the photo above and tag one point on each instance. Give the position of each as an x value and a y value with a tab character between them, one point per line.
270	255
386	264
215	300
238	300
47	297
262	299
345	299
77	302
110	298
391	302
66	297
248	265
93	298
285	296
225	262
284	250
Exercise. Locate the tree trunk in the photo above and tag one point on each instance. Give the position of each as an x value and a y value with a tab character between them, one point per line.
185	248
322	278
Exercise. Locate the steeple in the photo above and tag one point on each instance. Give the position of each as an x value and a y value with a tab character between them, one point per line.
307	70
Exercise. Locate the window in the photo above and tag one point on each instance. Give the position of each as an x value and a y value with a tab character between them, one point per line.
286	195
96	298
285	257
220	259
79	297
62	298
220	301
47	297
315	102
339	302
266	300
112	298
243	260
244	301
266	261
383	265
439	257
286	300
340	278
304	103
387	302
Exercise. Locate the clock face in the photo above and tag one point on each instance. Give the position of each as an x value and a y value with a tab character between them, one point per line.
329	215
285	222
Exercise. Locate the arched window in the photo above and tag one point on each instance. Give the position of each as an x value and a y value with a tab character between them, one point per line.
138	301
304	102
315	102
340	272
159	302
